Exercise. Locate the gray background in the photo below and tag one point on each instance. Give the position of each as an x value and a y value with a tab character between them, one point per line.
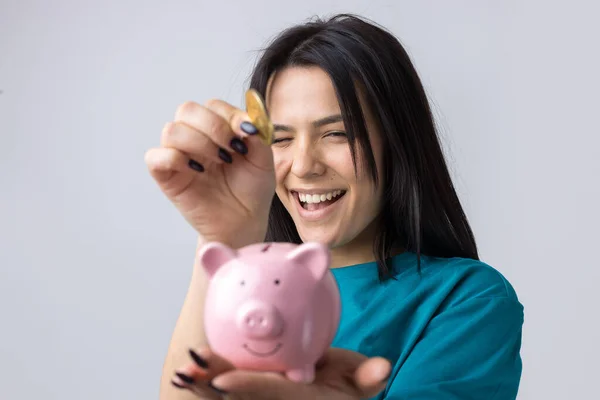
94	261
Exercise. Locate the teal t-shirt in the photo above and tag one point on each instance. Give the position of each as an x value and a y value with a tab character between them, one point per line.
451	332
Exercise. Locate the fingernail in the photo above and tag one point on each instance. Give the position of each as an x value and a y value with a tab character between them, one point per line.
177	385
198	360
249	128
196	166
238	146
225	156
185	378
213	387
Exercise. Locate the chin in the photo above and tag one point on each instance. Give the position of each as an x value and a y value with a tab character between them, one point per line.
330	239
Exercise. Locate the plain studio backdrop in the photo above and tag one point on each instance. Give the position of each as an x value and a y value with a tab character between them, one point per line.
95	262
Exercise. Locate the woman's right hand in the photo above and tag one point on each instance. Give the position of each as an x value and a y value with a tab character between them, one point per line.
216	171
340	375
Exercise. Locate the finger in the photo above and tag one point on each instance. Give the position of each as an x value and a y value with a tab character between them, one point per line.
339	356
259	154
203	365
200	391
262	385
371	376
197	374
163	163
213	126
162	160
338	362
188	140
208	360
187	377
238	120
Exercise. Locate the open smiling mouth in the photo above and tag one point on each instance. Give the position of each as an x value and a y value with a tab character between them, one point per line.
313	202
262	353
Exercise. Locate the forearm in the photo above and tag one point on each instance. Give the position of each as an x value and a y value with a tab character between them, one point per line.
189	329
188	333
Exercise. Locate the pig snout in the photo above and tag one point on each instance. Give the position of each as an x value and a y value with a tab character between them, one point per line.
259	320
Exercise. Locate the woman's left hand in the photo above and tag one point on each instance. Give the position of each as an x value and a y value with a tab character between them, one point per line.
340	375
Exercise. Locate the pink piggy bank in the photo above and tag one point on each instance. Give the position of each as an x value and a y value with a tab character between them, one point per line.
271	306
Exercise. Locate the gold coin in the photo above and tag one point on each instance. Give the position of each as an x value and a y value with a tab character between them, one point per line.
255	107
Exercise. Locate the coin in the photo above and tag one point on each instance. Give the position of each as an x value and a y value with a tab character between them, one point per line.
255	107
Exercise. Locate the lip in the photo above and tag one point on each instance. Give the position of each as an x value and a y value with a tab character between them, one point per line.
316	214
314	191
262	354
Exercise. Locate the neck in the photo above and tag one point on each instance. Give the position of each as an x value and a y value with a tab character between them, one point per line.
352	254
359	250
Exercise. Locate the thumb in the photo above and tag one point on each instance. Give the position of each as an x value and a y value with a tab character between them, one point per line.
259	154
268	385
371	376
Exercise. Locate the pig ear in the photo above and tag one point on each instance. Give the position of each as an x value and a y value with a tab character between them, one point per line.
313	256
213	255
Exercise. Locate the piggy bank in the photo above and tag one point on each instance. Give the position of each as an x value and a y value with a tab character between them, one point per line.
271	306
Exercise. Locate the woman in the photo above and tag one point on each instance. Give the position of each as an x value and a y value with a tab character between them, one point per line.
356	164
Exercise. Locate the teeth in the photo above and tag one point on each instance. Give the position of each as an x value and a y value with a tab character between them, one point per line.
317	198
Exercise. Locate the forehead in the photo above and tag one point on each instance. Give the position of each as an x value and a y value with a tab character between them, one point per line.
300	93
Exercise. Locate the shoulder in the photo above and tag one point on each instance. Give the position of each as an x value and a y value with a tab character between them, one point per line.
454	281
466	315
472	279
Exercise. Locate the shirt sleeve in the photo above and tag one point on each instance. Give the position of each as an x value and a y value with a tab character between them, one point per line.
469	351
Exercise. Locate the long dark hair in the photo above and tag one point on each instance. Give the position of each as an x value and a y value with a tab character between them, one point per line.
421	211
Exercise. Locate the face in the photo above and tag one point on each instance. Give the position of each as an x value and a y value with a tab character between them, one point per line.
316	180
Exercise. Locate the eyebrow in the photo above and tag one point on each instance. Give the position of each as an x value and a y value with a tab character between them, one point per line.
332	119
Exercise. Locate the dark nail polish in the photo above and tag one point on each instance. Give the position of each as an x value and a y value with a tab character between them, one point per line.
196	166
239	146
216	389
249	128
177	385
185	378
225	156
198	360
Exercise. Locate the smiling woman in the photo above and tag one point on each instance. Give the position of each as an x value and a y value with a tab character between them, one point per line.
355	164
314	200
313	157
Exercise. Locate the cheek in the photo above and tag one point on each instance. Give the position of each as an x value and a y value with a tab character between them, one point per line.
282	166
339	161
368	196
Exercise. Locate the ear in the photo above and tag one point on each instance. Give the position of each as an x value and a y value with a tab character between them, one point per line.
213	255
313	256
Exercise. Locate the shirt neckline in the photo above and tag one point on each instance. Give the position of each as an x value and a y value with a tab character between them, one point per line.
400	262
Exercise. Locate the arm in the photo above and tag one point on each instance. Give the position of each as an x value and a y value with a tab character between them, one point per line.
470	351
188	333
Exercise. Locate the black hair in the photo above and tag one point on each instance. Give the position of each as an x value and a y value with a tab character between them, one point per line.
420	211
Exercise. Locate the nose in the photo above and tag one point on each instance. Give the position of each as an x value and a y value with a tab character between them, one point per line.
306	160
259	320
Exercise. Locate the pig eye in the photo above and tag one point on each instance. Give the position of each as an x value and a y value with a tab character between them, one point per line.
242	283
277	281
